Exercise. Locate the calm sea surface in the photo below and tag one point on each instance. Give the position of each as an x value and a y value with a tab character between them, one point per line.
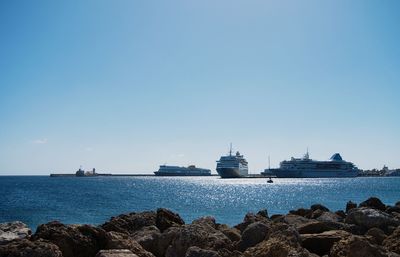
36	199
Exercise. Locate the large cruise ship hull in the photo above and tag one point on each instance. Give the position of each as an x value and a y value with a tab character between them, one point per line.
314	173
231	173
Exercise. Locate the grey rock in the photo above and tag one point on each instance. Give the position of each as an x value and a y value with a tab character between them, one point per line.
116	253
370	218
253	234
373	203
321	243
13	230
195	251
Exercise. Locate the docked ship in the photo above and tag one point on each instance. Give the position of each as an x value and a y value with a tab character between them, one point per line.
232	166
305	167
191	170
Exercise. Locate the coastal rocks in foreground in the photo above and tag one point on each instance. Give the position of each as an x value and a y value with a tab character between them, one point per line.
365	230
13	230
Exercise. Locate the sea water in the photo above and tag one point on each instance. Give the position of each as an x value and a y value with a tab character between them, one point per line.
93	200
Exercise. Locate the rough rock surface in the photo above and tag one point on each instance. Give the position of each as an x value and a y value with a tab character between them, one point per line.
166	219
73	240
195	251
253	234
13	230
322	243
377	235
130	223
251	218
27	248
373	203
369	218
350	205
115	253
392	242
203	236
357	246
116	240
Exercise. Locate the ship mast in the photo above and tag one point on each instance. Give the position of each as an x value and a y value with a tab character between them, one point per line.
230	150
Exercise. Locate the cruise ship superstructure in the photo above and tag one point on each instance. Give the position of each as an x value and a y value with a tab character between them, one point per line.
308	168
232	166
191	170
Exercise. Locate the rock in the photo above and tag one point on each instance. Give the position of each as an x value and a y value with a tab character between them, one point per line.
200	235
227	253
253	234
350	205
315	214
275	247
195	251
341	214
392	242
130	223
397	204
370	218
13	230
376	234
263	213
316	227
357	246
207	220
391	209
115	253
293	220
321	243
249	219
302	212
232	233
315	207
147	237
116	240
27	248
166	219
73	240
373	203
330	217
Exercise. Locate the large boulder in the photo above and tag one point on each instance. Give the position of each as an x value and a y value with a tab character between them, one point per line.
315	227
377	235
318	206
116	240
321	243
350	205
292	219
275	247
148	237
330	217
116	253
232	233
302	212
358	246
27	248
132	222
392	242
251	218
13	230
253	234
73	240
370	218
373	203
166	219
200	235
207	220
195	251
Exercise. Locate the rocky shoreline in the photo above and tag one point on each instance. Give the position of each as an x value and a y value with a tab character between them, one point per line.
370	228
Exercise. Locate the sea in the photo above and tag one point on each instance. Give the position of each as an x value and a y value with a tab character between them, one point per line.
36	200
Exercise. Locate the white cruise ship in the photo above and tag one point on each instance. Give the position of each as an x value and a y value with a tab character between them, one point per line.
232	166
308	168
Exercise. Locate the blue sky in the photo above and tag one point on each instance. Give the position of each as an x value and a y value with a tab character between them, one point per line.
125	86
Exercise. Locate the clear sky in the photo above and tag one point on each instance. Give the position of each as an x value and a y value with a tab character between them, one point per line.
125	86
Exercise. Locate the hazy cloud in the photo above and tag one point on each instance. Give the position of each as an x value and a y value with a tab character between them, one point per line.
40	141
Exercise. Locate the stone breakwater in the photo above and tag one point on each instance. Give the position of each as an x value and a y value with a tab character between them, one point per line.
370	228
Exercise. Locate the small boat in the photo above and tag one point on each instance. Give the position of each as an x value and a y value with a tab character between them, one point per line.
270	181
